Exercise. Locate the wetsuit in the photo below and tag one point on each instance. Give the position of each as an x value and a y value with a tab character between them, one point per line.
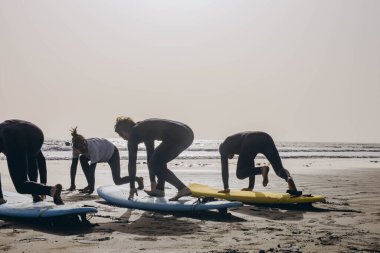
175	137
37	166
247	145
99	150
21	142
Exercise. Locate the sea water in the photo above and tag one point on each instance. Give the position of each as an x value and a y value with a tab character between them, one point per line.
57	149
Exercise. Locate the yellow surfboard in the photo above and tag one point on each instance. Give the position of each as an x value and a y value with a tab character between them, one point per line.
253	197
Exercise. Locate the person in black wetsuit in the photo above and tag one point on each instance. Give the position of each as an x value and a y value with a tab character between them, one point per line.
247	145
21	142
175	137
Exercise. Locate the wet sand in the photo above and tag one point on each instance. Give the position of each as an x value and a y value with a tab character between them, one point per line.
348	222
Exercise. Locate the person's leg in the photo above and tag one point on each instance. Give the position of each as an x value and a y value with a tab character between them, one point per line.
17	164
33	175
245	169
271	153
163	154
114	164
84	162
91	178
41	163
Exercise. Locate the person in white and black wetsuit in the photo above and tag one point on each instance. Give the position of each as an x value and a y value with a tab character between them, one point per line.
247	145
21	143
92	151
175	137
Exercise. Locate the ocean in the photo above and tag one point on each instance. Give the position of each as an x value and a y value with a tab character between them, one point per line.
55	149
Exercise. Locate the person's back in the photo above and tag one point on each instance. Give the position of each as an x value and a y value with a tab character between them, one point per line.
157	129
20	135
238	143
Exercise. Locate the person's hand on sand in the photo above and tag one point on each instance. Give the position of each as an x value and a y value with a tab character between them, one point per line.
2	201
247	189
132	193
224	191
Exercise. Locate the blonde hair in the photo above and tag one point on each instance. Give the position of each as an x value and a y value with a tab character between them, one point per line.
123	124
77	139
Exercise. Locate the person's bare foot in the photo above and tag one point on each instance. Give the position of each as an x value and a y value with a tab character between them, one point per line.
55	192
140	182
264	173
181	193
156	193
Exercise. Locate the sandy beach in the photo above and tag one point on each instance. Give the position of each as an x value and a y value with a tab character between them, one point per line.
348	222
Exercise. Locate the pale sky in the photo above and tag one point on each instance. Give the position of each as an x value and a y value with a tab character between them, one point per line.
299	70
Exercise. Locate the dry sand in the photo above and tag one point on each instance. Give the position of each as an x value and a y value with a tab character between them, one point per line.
348	222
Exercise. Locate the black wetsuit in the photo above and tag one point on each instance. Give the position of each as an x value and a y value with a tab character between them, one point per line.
247	145
37	166
21	143
175	137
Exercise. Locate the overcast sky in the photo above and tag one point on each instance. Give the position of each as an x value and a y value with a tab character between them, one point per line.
299	70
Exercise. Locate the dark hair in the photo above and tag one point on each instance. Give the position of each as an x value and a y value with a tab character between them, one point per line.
77	139
124	124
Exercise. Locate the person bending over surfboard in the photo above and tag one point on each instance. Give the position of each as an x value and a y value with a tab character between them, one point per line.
95	150
175	137
21	143
247	145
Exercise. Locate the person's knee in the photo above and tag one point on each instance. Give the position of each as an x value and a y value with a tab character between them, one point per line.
20	188
240	174
117	181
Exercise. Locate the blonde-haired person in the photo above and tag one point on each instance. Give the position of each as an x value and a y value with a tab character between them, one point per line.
175	137
90	152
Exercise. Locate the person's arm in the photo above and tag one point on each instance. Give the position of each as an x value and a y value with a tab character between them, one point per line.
224	161
41	162
149	151
132	156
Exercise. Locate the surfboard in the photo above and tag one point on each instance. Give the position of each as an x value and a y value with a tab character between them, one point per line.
253	197
118	195
22	206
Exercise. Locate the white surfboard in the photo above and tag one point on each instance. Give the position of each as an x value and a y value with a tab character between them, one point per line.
118	195
22	206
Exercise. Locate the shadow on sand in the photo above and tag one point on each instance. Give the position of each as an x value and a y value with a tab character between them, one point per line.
63	225
164	223
287	212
